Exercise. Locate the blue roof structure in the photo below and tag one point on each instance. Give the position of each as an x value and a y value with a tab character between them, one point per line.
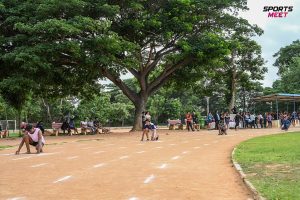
279	97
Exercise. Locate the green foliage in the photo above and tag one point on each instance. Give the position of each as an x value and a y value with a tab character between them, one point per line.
285	56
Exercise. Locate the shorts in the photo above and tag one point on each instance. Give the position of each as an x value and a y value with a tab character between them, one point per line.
34	143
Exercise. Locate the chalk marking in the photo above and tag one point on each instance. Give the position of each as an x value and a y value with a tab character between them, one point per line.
62	179
17	198
123	157
133	198
158	147
163	166
22	158
185	152
87	148
175	157
149	179
99	165
72	157
141	152
7	154
196	147
38	165
97	152
47	154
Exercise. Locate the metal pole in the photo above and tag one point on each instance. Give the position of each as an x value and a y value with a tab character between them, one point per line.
294	105
277	108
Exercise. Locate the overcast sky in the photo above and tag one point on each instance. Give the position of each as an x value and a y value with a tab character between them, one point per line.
278	32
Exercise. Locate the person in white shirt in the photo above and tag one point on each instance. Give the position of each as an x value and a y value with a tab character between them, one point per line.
32	136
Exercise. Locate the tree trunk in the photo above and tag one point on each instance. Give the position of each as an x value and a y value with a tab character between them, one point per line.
233	84
19	119
140	106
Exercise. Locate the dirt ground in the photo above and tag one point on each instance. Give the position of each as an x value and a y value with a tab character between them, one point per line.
181	165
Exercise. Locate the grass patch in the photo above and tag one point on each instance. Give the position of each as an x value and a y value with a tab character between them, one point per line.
272	164
5	147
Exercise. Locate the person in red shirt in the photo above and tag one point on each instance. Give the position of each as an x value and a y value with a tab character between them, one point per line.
189	121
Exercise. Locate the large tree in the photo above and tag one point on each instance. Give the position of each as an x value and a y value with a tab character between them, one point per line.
72	42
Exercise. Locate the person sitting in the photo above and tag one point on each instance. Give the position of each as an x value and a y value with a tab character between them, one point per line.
32	136
65	126
90	125
285	123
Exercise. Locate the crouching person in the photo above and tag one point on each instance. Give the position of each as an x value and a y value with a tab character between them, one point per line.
32	136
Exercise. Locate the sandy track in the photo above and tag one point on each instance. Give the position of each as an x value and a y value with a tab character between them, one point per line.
182	165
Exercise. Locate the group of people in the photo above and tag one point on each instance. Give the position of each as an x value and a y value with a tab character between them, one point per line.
148	126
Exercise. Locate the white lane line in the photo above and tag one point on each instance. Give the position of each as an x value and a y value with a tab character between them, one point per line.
72	157
39	165
140	152
22	158
7	154
123	157
206	144
196	147
48	154
57	148
163	166
133	198
17	198
185	152
159	141
99	165
87	148
175	157
158	147
149	179
62	179
97	152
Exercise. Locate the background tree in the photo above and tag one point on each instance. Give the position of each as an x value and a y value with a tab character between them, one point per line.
285	56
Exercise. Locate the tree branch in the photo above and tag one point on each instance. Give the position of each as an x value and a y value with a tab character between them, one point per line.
165	75
118	82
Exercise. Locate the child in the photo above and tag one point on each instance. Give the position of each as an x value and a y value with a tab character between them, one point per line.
147	127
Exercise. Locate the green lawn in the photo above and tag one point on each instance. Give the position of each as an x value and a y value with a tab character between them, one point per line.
272	164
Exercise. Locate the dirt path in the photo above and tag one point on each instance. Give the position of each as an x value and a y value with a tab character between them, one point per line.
182	165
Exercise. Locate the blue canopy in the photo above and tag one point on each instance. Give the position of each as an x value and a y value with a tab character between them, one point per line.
279	97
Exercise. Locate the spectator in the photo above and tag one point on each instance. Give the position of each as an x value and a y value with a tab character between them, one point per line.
217	120
189	120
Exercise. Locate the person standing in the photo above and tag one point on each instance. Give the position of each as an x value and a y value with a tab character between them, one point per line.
237	119
269	119
227	120
217	120
189	120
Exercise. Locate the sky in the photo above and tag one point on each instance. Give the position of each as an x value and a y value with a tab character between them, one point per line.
278	32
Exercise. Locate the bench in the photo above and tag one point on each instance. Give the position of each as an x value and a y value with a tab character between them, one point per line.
87	129
56	127
173	123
